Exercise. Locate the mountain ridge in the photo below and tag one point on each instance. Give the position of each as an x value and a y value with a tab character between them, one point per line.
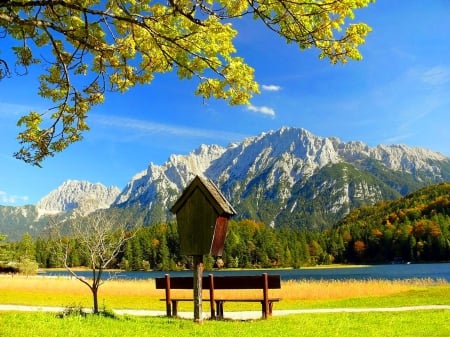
286	177
259	174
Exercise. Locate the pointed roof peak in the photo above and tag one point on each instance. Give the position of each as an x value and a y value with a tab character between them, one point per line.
211	192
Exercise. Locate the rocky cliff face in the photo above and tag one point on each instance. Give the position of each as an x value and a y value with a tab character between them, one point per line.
290	176
79	196
82	195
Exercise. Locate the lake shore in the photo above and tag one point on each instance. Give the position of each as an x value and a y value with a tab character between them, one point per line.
86	269
435	271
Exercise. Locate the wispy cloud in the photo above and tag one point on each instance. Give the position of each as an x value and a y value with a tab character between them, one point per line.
438	75
262	110
271	87
6	198
148	127
397	139
14	109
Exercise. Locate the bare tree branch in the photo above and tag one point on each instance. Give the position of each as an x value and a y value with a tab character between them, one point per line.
101	237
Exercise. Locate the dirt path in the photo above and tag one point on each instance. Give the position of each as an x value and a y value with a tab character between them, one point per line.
241	315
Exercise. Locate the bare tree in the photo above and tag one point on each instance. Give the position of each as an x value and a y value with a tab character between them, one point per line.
102	238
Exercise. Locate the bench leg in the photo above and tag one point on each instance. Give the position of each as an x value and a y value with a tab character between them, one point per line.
168	309
266	309
269	309
219	309
174	308
213	311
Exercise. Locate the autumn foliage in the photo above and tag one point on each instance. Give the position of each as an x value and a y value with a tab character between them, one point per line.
414	228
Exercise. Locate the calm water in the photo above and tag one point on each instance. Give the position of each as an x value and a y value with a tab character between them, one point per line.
390	272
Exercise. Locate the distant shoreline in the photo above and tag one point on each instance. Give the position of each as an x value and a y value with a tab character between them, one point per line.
85	269
317	267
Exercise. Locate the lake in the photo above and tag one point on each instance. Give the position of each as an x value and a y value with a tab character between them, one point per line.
390	272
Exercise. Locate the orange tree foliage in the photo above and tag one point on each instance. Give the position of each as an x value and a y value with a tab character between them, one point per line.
413	228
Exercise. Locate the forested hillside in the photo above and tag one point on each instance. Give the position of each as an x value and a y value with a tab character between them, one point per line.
415	228
249	244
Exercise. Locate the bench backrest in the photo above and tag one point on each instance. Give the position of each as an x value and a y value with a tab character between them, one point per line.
246	282
221	282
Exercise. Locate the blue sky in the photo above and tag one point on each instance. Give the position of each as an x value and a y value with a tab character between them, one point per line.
398	94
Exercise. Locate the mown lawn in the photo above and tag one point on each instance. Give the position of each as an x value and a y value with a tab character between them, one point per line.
403	324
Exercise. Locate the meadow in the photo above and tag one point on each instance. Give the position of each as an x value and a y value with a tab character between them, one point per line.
141	294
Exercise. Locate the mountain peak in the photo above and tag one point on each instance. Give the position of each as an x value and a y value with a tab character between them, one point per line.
284	173
73	194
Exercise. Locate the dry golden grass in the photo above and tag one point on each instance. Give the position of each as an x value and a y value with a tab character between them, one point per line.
63	291
141	294
339	289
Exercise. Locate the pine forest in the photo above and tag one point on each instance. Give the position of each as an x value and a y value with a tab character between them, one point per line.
415	228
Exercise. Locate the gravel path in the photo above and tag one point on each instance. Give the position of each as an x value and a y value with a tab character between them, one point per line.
241	315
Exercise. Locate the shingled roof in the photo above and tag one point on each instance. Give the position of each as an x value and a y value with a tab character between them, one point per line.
211	193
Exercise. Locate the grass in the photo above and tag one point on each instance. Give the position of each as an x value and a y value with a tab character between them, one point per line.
141	294
405	324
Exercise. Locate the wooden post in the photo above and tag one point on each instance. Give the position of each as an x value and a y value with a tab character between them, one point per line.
198	277
202	219
168	299
265	295
211	296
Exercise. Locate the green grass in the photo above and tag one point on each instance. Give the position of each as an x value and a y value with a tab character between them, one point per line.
405	324
430	295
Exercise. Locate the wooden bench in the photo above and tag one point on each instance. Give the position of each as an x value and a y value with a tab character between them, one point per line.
212	283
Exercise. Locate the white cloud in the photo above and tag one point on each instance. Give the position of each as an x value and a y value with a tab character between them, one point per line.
262	109
436	76
271	87
14	109
398	139
147	127
5	198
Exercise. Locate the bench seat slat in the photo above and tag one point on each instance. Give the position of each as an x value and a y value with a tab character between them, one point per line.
224	299
246	300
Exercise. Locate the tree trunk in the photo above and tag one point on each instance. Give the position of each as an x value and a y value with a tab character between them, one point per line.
96	281
95	297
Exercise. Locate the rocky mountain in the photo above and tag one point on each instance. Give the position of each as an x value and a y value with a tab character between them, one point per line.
290	177
15	221
84	196
287	177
